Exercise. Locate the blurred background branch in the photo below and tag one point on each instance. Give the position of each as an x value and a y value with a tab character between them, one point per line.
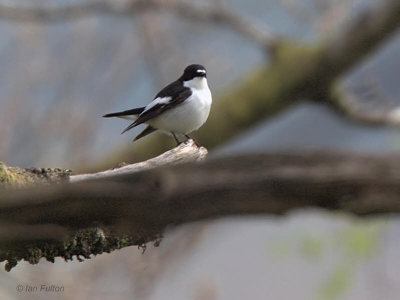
350	104
217	13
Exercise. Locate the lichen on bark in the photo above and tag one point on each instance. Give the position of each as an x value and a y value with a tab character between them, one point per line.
14	177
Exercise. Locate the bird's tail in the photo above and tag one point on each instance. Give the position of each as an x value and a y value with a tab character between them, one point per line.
145	132
126	114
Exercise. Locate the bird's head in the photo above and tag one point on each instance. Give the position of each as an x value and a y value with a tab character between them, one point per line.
193	71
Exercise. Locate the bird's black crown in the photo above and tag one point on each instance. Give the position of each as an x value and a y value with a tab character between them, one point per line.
193	71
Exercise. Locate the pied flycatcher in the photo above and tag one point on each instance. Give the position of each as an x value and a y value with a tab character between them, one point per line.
179	108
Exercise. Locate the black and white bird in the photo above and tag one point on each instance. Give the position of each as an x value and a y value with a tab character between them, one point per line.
178	109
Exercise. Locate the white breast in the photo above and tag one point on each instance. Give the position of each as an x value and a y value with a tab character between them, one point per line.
191	114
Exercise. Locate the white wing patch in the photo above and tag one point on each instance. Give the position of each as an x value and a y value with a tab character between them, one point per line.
164	100
129	117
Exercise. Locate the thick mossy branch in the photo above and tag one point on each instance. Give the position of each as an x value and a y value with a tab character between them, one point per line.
82	245
59	235
142	204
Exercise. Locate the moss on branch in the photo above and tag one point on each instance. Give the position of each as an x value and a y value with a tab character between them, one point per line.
82	245
14	177
31	229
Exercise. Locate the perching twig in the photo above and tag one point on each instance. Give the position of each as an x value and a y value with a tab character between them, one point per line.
185	152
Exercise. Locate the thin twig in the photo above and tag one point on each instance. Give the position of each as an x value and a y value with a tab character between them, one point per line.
185	152
350	105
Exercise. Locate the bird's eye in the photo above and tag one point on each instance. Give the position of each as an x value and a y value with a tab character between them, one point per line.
201	71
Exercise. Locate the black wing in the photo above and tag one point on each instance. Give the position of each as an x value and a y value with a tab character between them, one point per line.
180	94
129	112
173	88
145	132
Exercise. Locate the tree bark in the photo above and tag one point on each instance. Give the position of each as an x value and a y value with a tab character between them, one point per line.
140	205
32	240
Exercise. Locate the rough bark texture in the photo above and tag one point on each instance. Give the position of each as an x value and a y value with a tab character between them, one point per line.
142	204
31	240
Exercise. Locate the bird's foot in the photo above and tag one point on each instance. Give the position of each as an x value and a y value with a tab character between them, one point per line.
190	138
